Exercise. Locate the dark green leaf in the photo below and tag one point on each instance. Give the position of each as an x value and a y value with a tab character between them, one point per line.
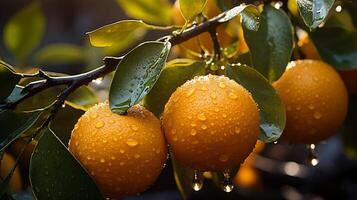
224	5
16	94
271	108
190	9
56	174
67	116
175	73
337	46
136	74
8	80
249	13
14	124
271	46
314	12
59	54
152	11
24	31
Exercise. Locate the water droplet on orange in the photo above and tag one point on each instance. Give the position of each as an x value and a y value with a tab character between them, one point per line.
132	142
102	160
311	107
231	95
203	88
99	124
193	132
201	117
223	158
190	92
221	85
213	95
134	128
204	127
317	115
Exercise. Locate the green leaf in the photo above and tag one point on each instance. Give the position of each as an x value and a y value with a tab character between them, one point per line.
68	116
8	80
83	98
271	108
337	46
24	31
249	13
175	73
224	5
56	174
271	46
152	11
314	12
190	9
59	54
13	124
136	74
122	33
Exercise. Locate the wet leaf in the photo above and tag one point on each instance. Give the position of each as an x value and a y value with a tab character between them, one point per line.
331	45
249	13
190	9
136	74
271	46
8	80
271	108
24	31
83	98
59	54
13	124
174	74
152	11
56	174
314	12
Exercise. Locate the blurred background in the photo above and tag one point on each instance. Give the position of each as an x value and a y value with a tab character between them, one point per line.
274	171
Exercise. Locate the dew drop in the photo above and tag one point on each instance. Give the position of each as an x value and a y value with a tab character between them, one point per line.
134	128
298	108
132	142
137	156
175	138
311	107
213	95
99	124
111	121
190	92
201	117
222	85
223	158
193	132
231	95
227	185
93	115
216	110
204	127
193	124
121	163
237	130
224	115
203	88
121	151
197	182
102	160
317	115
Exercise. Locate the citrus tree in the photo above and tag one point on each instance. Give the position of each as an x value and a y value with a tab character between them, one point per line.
223	75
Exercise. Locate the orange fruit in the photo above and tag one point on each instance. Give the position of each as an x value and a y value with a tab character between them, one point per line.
204	39
315	99
123	153
6	165
211	123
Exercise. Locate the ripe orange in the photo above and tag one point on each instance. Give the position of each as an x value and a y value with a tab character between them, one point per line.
204	39
315	99
123	153
211	123
6	165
